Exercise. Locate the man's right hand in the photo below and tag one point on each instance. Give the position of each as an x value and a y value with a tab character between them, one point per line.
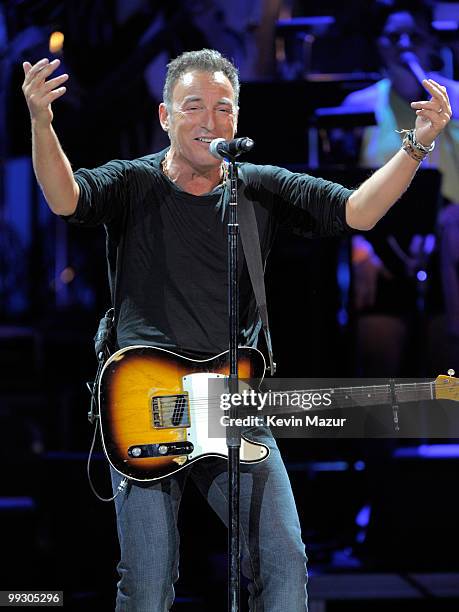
40	93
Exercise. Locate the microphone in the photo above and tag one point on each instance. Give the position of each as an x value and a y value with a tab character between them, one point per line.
412	62
221	148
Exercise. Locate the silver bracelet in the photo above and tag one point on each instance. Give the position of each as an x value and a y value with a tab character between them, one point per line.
423	148
410	137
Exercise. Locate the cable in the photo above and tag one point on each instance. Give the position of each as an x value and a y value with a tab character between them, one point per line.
121	486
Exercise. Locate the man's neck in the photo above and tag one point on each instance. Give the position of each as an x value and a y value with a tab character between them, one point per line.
197	181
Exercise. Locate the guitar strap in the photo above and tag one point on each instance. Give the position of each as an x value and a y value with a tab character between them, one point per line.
250	239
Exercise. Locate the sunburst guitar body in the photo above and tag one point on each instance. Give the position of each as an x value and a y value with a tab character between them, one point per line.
153	409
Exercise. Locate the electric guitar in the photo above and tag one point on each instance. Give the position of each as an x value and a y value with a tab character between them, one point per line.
154	406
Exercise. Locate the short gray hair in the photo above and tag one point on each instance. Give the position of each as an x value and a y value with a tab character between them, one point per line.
205	60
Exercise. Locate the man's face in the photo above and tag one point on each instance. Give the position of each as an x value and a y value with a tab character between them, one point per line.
403	33
203	108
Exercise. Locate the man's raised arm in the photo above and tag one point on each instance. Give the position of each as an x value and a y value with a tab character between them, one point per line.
378	193
51	166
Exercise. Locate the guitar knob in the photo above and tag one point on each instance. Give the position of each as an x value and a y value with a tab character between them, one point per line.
451	372
162	449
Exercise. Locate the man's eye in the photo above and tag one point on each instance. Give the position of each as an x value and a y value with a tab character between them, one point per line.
225	110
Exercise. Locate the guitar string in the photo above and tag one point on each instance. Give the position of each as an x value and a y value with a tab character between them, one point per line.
365	392
346	391
339	394
206	403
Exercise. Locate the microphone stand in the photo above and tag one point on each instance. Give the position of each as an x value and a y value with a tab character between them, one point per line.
230	150
233	433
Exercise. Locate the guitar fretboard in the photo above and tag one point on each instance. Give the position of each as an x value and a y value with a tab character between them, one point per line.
346	397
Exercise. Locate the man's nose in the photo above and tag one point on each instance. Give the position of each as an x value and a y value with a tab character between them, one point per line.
208	120
404	42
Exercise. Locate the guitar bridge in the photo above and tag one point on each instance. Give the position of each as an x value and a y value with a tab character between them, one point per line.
170	411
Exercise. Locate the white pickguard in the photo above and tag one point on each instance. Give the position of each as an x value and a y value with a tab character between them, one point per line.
197	386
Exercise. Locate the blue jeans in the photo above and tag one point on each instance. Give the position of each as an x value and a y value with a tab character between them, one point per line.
273	555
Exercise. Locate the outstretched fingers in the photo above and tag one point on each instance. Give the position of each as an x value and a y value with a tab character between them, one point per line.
439	102
31	71
37	74
56	82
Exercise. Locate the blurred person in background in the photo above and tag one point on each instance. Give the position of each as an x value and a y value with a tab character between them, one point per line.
385	274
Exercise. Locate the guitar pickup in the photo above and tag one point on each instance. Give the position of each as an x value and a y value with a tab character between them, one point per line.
170	411
140	451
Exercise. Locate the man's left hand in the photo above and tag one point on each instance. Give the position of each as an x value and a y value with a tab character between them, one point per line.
432	115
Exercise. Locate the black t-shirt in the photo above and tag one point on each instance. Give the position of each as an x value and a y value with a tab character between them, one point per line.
167	249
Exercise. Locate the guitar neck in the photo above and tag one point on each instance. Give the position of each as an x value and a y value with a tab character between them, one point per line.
295	401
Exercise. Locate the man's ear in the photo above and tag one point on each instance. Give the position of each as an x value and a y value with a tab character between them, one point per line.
163	116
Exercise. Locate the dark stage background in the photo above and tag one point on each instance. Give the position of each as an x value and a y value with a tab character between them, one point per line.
379	517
